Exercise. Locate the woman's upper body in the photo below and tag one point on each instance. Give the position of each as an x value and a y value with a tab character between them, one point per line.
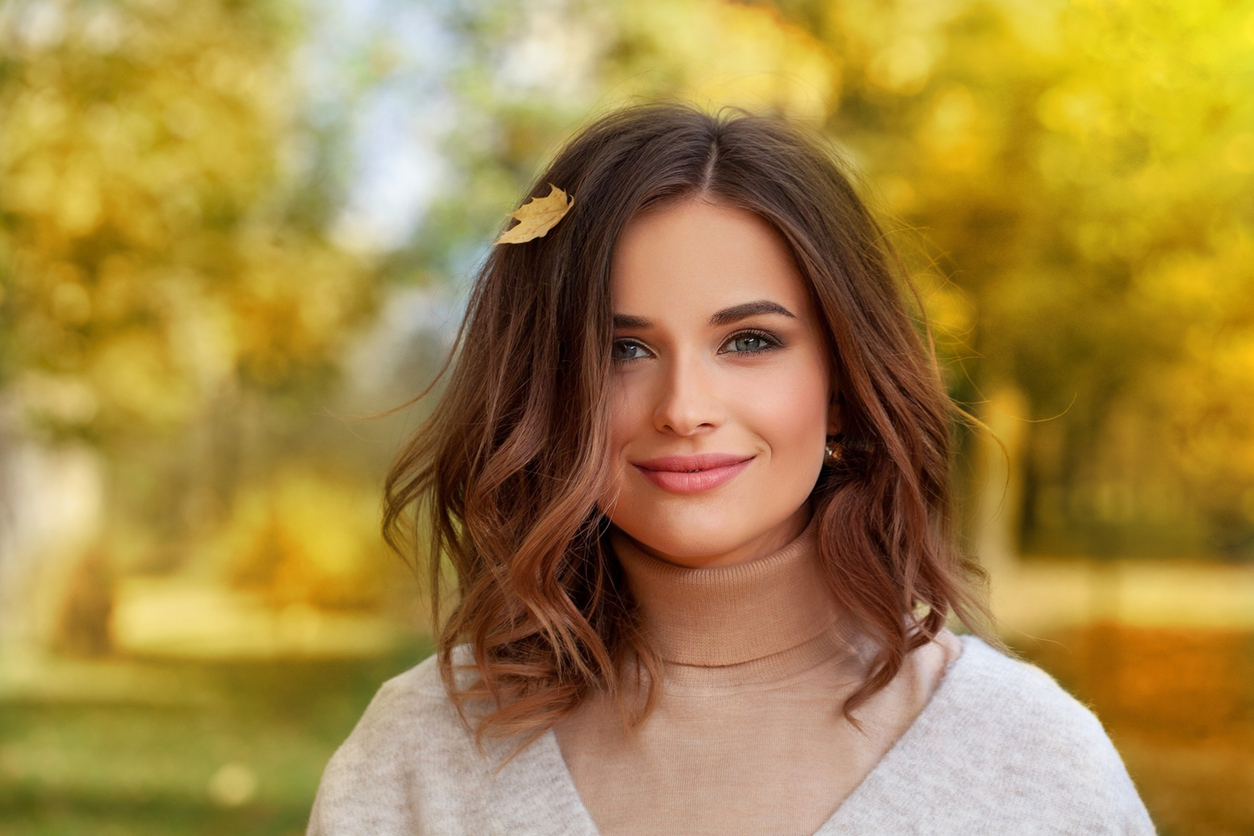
748	736
691	471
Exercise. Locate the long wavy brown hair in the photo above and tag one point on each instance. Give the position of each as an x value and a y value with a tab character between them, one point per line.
503	479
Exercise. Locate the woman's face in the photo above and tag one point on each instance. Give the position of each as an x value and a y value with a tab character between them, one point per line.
720	368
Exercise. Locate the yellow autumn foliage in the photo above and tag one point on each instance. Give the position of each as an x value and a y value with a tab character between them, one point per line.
303	538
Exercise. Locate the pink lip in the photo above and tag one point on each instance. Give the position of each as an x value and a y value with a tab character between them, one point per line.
692	474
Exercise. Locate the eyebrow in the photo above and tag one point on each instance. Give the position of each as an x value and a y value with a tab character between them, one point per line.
724	317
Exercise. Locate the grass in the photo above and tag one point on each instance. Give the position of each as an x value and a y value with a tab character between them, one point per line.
170	761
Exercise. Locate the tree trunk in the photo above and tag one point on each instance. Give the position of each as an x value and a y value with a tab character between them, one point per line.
999	480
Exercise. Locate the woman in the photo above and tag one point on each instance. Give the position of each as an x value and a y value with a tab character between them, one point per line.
691	471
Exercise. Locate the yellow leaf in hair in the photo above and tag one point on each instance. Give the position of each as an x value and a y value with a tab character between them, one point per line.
537	216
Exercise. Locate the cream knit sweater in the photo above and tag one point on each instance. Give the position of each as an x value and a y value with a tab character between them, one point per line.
747	738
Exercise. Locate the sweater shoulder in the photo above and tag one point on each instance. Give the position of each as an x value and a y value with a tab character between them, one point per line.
1000	748
1008	724
393	766
421	684
417	698
1005	696
409	704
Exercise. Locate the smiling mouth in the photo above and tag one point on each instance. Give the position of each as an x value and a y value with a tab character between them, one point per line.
690	480
692	463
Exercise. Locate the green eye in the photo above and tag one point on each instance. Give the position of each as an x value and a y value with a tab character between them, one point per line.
752	342
626	350
749	343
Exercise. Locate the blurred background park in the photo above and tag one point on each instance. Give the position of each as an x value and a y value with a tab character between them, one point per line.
229	229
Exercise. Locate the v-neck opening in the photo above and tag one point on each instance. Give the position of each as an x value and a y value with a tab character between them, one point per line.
547	757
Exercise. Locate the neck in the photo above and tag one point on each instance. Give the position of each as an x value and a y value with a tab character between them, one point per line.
730	615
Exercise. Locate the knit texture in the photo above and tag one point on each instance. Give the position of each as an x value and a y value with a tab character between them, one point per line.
1000	748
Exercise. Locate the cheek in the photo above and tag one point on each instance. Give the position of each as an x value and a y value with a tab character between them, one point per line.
622	417
790	412
624	428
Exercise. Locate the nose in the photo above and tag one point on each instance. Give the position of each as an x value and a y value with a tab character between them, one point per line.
688	402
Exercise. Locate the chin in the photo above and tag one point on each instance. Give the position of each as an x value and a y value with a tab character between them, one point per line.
685	546
689	536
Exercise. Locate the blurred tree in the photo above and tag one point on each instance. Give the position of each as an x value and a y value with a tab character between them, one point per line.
168	293
151	251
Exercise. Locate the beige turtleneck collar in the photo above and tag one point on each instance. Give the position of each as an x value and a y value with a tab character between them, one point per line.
747	735
731	615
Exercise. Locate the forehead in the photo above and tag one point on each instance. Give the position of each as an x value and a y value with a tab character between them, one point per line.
698	257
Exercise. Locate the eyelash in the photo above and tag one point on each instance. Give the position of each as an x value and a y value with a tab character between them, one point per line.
772	343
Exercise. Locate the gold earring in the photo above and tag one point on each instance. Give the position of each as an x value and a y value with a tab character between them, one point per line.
832	452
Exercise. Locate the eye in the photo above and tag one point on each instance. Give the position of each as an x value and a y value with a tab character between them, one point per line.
751	342
627	350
